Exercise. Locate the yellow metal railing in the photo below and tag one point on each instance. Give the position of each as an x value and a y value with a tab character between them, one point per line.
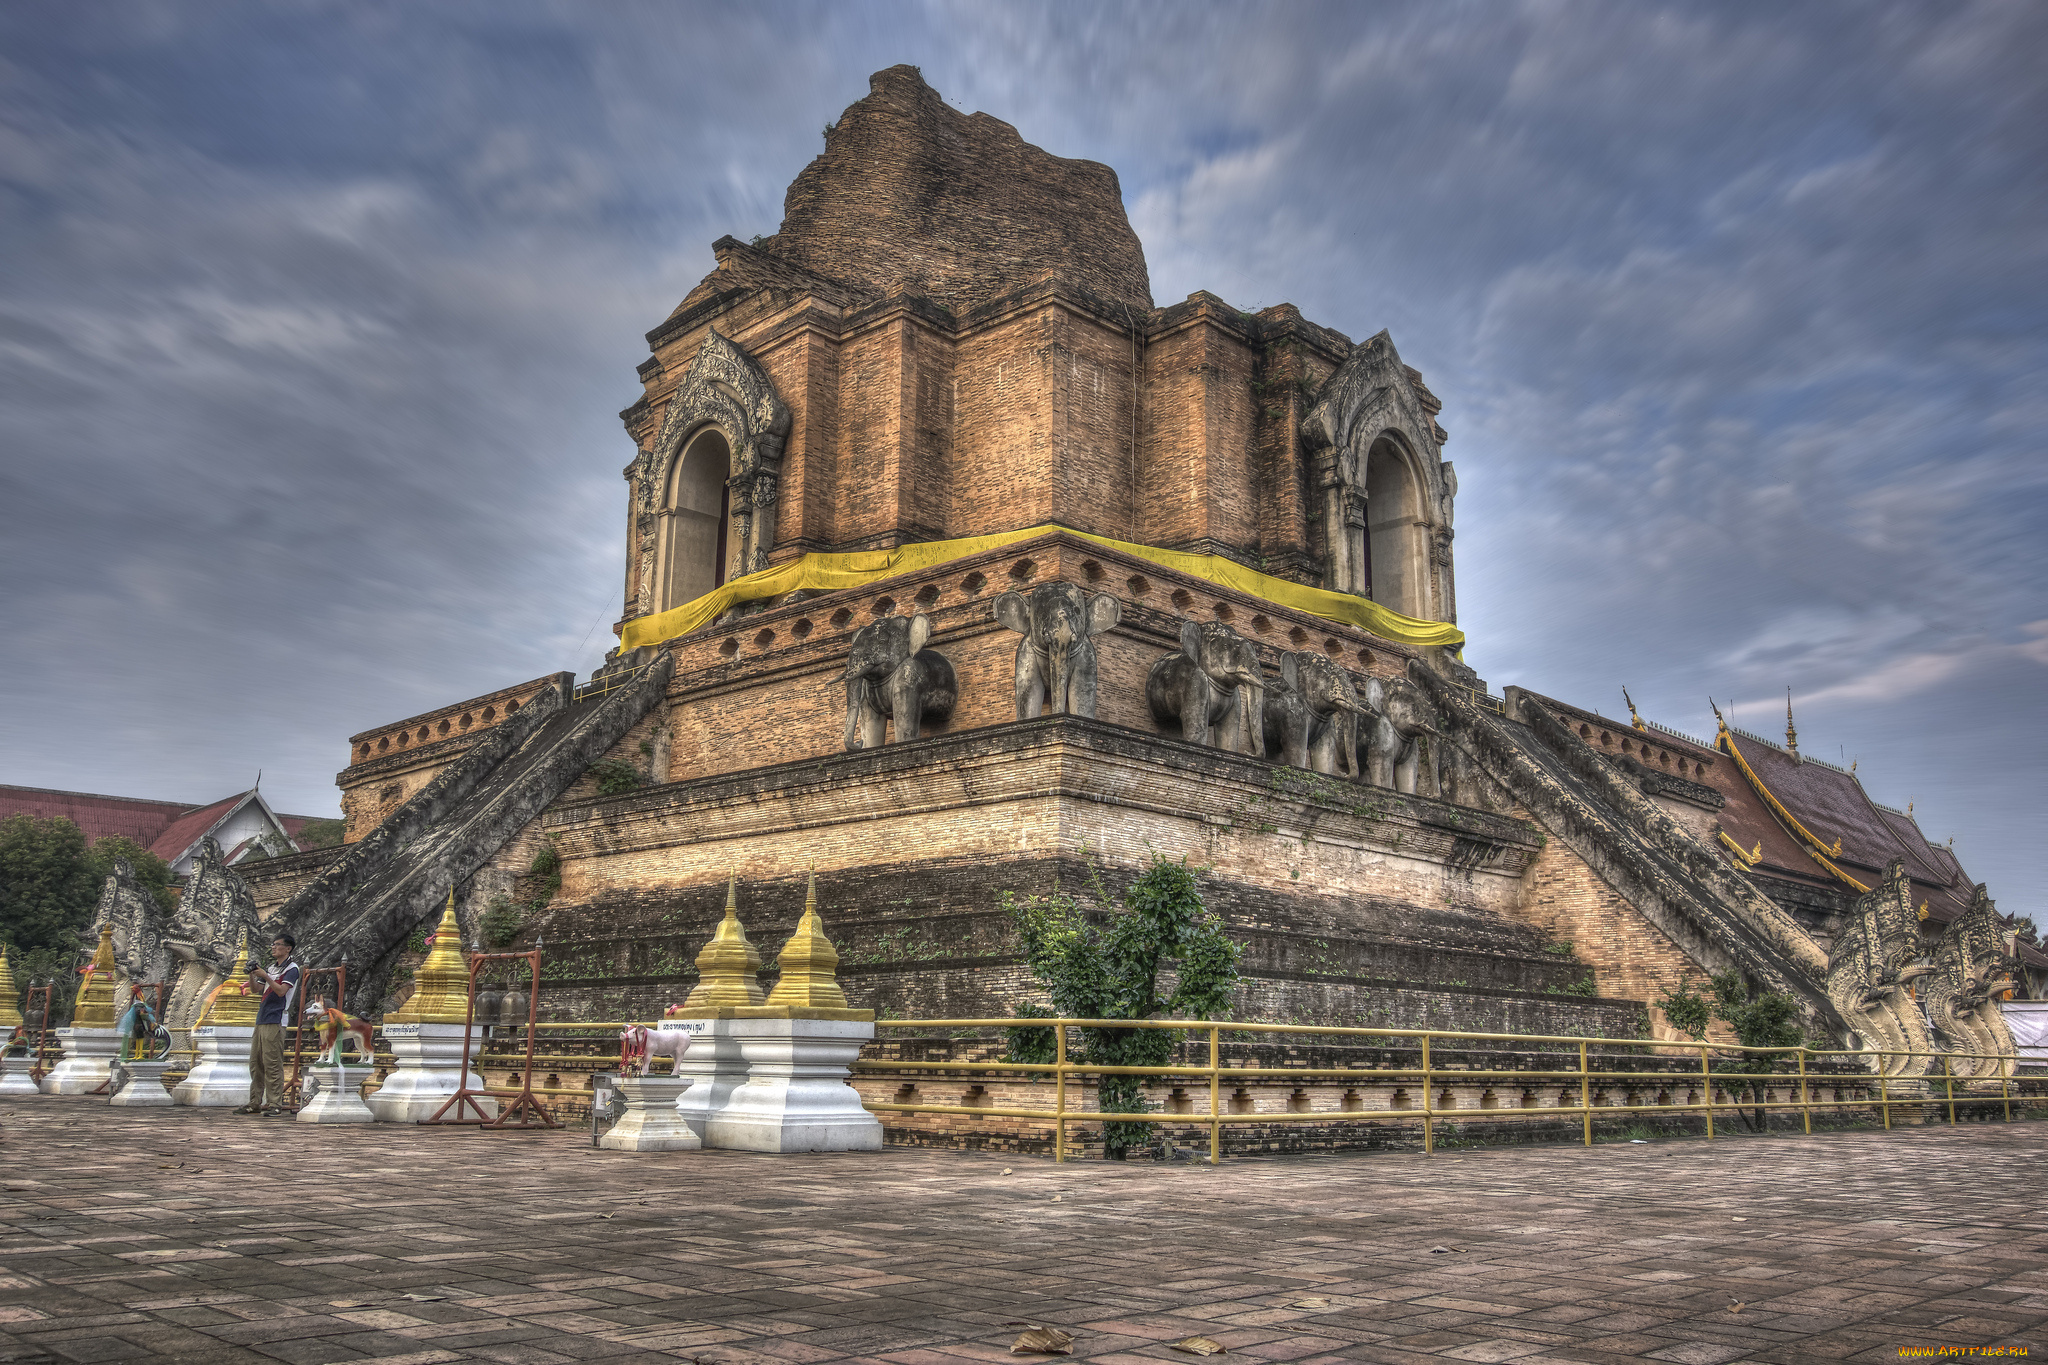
1709	1080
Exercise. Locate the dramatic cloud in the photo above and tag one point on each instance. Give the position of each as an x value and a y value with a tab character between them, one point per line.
315	320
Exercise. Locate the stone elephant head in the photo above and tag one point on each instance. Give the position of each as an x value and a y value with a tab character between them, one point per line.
1214	678
1404	741
1287	718
1335	714
1056	657
890	675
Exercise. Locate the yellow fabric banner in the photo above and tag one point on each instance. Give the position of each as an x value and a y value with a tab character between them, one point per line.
824	573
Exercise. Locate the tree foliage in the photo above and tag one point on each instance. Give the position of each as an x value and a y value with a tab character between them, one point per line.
1686	1010
49	887
321	833
1759	1019
1109	966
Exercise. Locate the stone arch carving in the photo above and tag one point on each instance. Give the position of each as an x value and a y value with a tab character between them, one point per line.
1381	493
723	389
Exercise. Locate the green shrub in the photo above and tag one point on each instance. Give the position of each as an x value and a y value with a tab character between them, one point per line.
501	920
615	777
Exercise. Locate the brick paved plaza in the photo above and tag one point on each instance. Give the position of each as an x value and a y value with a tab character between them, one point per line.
199	1236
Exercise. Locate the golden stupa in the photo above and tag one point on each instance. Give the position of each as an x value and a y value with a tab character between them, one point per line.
809	962
95	1008
729	968
10	999
441	985
234	1004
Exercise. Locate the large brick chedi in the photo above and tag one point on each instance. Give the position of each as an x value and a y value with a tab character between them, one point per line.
951	336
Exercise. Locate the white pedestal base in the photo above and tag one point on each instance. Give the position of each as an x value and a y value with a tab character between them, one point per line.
713	1066
651	1123
219	1079
88	1052
143	1086
796	1098
14	1077
429	1071
340	1099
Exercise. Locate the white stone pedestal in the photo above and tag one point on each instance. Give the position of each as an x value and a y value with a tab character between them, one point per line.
14	1077
796	1098
219	1079
651	1123
88	1052
341	1095
142	1086
713	1066
429	1071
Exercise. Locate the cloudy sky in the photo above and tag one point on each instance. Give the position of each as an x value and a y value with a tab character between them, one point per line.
315	320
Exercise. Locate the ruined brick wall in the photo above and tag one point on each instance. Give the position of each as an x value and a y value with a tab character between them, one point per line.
1630	957
388	764
911	196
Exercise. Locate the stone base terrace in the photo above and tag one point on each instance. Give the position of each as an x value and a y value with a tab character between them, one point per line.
178	1235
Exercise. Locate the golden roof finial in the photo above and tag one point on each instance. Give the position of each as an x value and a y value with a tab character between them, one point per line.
10	1000
729	968
441	985
809	962
1791	735
233	1002
1633	718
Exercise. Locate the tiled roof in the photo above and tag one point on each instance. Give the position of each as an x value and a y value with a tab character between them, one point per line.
1832	805
98	816
187	831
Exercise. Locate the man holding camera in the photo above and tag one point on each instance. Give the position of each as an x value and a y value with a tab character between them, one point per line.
279	986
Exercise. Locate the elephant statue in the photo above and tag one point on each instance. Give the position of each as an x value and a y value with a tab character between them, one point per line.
1334	713
1287	718
890	675
1215	677
1056	657
1404	741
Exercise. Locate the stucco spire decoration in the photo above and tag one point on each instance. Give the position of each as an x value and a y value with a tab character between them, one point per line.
95	1007
442	993
1791	735
10	999
233	1002
809	963
729	968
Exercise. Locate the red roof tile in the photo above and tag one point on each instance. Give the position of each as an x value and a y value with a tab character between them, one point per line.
172	843
98	816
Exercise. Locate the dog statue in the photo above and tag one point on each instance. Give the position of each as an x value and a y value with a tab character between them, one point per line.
340	1032
642	1044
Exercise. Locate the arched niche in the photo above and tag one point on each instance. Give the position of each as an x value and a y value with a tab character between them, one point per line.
1381	494
1396	529
696	516
725	394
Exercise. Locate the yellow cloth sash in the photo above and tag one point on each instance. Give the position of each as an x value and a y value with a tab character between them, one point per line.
824	572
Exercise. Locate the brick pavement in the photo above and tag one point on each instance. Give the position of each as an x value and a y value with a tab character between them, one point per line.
199	1236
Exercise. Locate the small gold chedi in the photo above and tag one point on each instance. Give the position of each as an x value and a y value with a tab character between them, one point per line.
441	985
234	1004
809	962
729	968
95	1008
10	1002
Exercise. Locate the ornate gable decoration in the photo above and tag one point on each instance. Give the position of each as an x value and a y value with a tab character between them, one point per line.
1369	394
726	389
1372	394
